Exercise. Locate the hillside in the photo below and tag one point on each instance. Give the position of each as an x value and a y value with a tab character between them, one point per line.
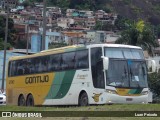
148	10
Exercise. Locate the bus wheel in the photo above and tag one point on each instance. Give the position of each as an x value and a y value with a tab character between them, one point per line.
21	101
30	100
83	99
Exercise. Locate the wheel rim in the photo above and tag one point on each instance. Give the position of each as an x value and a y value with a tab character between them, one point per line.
30	101
21	101
84	100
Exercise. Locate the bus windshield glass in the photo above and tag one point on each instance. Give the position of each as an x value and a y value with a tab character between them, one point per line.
127	73
126	68
128	53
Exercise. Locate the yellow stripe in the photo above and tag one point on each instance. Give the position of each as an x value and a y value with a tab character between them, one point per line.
38	90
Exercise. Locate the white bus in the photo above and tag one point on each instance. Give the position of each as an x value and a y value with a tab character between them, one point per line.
79	75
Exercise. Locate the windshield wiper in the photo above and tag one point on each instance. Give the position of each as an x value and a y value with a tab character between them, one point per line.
138	84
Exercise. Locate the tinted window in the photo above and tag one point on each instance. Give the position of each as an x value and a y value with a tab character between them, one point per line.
81	59
97	68
68	61
55	62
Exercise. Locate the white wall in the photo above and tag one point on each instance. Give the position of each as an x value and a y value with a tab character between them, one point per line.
157	62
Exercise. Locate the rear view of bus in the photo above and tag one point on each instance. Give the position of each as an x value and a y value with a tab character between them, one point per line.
125	74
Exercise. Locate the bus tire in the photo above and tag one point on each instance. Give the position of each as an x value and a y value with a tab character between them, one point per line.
21	101
83	99
30	100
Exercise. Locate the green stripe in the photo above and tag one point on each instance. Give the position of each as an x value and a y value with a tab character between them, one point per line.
135	91
61	84
55	85
66	83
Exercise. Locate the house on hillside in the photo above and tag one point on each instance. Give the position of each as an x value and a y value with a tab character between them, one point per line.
65	22
69	12
11	3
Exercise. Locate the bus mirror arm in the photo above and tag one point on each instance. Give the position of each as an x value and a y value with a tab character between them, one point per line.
105	62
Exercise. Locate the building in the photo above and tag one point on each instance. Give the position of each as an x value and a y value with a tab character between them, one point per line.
64	22
11	3
100	37
90	22
21	1
111	37
69	12
90	35
75	37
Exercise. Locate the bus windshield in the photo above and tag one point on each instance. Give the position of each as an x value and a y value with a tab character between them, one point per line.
127	68
127	73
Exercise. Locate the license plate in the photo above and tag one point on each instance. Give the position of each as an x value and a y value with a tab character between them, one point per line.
129	99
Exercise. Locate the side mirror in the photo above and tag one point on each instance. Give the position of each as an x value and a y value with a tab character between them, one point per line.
105	62
151	64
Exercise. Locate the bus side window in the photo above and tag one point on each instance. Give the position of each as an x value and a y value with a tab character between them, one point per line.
37	64
26	67
68	60
12	69
32	67
20	68
44	65
54	62
81	59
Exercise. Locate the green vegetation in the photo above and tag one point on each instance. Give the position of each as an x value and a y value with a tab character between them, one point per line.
11	32
154	84
109	108
127	2
156	8
57	45
114	107
138	34
28	3
136	10
79	4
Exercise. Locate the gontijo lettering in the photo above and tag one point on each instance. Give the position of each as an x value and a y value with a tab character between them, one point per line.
37	79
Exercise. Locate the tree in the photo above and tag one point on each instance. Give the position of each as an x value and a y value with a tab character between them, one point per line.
8	45
1	44
157	31
138	34
11	30
98	26
154	85
120	22
29	3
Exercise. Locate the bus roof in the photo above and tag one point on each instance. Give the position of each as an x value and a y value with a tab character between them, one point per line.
72	48
114	45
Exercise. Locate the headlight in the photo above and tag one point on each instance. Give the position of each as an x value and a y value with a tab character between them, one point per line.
144	93
111	91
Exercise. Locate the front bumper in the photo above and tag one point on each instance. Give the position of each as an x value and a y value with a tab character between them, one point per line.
113	98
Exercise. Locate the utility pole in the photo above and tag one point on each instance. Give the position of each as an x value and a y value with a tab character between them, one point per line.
5	43
44	25
27	35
